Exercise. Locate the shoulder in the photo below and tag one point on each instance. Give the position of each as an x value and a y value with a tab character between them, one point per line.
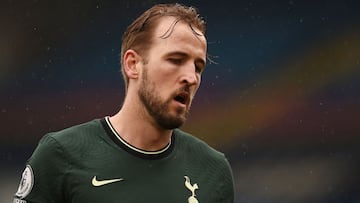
87	128
50	162
72	138
196	146
75	133
65	145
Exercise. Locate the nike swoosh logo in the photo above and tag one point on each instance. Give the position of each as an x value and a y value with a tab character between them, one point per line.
98	183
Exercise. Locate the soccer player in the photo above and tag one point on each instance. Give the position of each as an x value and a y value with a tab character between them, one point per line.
139	154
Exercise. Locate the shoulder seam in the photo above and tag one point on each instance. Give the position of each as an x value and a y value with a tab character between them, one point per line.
65	156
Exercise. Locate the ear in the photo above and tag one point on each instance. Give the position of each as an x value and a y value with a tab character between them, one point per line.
131	64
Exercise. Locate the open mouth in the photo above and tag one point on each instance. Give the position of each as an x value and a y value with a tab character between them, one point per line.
182	98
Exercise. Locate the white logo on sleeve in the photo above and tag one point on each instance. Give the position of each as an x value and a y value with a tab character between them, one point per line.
26	183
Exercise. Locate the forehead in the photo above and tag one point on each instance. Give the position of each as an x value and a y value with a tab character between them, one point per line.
173	34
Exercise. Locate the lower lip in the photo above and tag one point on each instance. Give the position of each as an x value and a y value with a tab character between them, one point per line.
180	104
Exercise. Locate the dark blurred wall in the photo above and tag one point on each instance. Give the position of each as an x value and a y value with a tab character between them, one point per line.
282	100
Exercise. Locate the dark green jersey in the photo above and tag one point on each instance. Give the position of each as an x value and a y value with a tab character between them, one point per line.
91	163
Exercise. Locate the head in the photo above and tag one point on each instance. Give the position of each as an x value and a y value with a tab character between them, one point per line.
162	63
139	35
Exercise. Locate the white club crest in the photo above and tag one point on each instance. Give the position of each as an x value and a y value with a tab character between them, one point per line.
192	188
26	183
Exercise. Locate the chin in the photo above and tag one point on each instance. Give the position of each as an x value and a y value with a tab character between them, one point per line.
172	122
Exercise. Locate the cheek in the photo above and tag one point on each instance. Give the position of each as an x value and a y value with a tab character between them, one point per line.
199	79
195	90
162	84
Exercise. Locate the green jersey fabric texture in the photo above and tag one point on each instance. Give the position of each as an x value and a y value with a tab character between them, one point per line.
90	163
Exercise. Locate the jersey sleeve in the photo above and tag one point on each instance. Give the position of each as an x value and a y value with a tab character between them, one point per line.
226	189
43	178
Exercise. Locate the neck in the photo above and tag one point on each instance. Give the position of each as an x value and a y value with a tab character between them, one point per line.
137	127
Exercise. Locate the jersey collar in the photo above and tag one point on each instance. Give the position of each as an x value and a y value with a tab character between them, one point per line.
118	140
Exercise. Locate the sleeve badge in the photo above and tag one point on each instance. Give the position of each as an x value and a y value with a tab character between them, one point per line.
26	183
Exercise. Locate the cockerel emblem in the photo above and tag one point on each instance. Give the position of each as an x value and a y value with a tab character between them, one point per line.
192	188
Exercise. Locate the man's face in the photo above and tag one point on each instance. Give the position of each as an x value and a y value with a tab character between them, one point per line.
172	73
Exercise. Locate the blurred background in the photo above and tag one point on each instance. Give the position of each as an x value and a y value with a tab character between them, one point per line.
282	100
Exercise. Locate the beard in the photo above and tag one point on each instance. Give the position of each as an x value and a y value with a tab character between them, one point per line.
158	108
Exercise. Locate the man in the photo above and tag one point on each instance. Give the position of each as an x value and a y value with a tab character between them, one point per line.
139	154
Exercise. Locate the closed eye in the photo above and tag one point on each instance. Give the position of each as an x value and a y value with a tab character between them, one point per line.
199	67
176	61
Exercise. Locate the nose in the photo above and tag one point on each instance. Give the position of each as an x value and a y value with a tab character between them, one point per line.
190	77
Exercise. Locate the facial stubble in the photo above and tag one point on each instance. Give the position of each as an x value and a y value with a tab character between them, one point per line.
158	108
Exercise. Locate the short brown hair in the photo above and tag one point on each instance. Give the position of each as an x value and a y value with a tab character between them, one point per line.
138	35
